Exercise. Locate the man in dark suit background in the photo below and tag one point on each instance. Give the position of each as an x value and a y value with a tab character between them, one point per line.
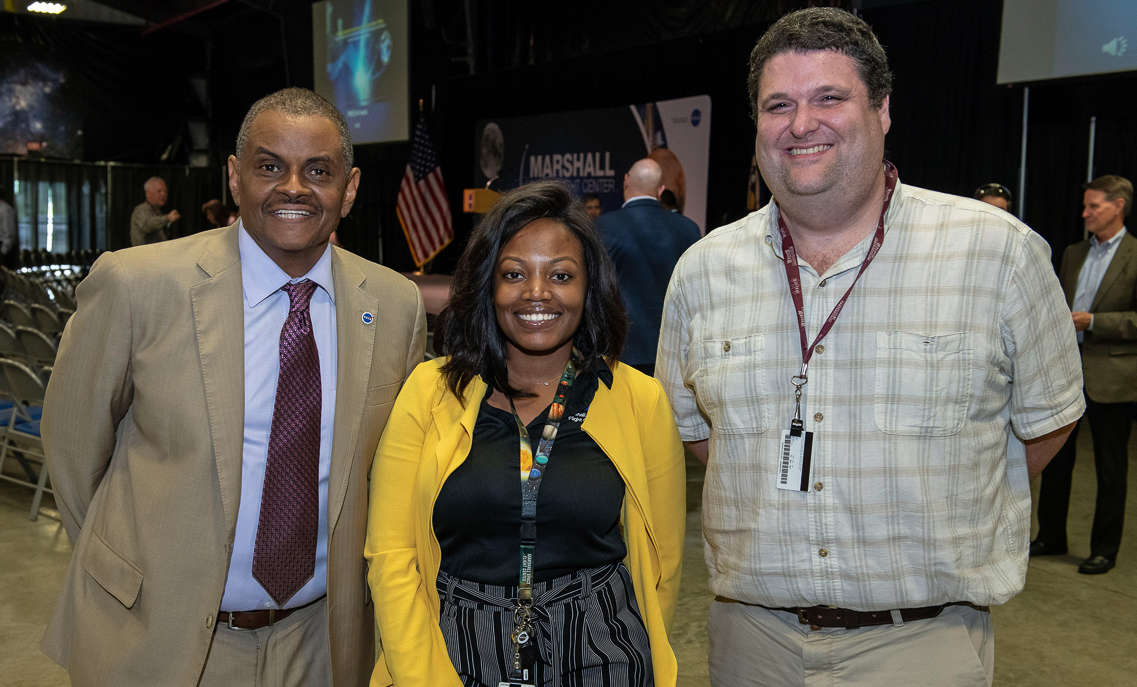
1099	277
645	241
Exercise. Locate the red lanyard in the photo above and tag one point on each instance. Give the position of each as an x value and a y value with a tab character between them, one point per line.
793	273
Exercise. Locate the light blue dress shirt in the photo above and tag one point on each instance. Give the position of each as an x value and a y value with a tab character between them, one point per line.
1093	271
266	309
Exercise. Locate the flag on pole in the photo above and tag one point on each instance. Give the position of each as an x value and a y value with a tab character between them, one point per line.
422	207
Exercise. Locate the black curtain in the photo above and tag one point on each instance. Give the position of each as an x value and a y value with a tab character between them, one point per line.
188	188
91	202
59	206
372	228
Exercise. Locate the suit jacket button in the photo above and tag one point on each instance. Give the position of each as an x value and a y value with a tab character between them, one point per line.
208	621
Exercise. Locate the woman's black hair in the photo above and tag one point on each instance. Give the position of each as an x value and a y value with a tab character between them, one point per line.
467	330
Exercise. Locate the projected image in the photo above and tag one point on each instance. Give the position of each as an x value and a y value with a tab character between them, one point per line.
39	108
360	65
1094	37
1051	39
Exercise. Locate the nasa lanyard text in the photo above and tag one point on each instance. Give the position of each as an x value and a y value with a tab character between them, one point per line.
533	465
797	445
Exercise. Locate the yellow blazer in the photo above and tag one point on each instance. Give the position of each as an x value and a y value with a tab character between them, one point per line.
429	435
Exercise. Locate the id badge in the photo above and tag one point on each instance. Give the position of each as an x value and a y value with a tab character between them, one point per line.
524	676
793	463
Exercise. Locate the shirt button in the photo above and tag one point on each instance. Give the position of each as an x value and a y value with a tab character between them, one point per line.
820	348
822	282
726	346
208	621
818	486
268	604
768	241
823	553
818	417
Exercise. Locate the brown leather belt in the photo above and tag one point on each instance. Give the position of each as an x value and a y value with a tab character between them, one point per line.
255	620
828	616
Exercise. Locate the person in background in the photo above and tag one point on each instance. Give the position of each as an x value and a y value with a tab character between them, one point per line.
217	214
148	223
531	382
210	426
874	372
591	202
645	241
995	194
1099	276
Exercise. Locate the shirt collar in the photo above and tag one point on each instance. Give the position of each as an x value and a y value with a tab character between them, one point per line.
1113	240
635	198
261	277
774	235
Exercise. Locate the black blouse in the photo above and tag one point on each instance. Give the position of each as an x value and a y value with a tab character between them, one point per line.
477	517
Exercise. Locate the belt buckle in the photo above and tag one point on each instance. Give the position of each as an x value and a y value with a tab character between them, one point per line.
229	621
801	617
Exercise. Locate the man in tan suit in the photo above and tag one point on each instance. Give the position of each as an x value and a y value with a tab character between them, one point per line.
1099	277
210	427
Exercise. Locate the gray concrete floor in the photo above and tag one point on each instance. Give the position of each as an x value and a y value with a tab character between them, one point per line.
1064	629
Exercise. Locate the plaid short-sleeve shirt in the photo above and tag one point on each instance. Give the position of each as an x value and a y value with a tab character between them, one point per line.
955	346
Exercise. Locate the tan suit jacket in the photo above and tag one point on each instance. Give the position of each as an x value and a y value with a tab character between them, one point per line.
143	427
1109	352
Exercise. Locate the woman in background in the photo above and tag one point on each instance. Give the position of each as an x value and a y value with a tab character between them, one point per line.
527	497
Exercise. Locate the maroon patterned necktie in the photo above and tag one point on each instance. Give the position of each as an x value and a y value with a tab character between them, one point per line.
284	558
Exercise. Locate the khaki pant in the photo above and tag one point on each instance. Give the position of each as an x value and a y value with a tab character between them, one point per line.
292	653
751	646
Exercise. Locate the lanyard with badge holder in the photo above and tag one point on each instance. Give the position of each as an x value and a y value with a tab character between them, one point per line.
533	467
797	444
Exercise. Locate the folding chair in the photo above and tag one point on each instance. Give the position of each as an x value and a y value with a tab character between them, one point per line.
46	319
18	315
39	347
23	436
10	346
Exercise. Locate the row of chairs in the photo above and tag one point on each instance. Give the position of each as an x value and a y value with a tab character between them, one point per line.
27	345
40	258
35	316
29	287
22	389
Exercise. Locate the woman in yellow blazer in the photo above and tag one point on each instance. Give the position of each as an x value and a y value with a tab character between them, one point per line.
533	332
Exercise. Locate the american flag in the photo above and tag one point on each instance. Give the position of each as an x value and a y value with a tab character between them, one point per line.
422	207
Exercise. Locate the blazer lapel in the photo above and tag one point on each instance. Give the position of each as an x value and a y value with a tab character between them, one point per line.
1125	253
355	347
455	424
219	320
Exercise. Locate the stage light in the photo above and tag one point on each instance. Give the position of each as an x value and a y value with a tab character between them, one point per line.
46	7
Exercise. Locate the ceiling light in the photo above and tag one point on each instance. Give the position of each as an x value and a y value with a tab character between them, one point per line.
46	7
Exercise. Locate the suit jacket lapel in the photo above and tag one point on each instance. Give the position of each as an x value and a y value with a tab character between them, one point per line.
1125	253
355	346
219	320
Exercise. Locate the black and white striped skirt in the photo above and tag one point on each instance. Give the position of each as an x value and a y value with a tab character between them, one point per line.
589	632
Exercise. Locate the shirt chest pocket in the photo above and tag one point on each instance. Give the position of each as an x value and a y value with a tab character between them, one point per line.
923	383
730	384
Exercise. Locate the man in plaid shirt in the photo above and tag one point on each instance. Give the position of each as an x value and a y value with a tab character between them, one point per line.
873	372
